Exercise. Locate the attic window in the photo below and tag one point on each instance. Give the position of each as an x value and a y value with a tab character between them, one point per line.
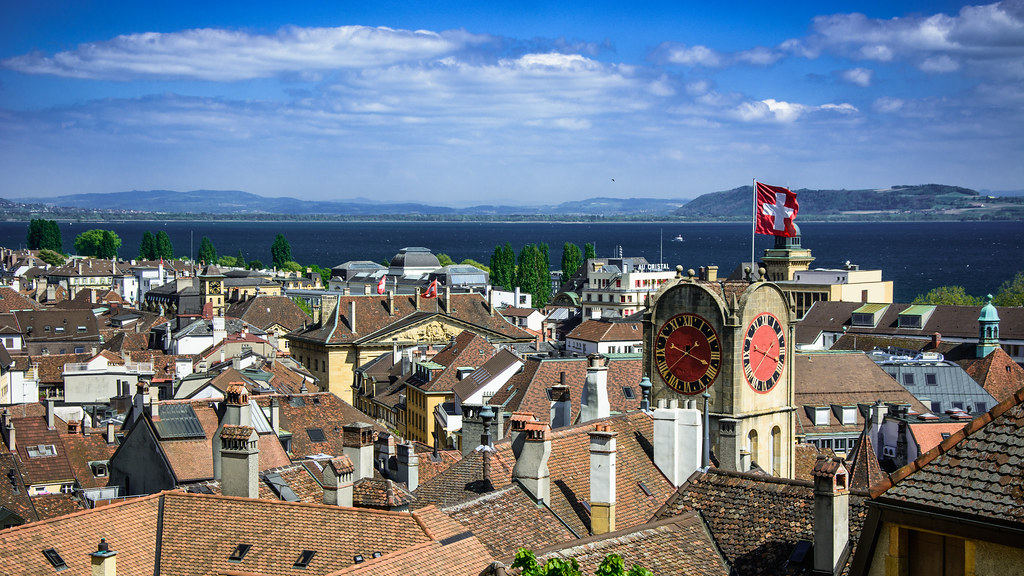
316	400
54	557
908	379
931	380
59	329
304	559
99	468
240	551
645	489
316	434
945	435
627	391
41	450
821	416
82	329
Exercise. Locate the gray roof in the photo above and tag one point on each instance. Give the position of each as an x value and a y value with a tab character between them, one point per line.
178	421
942	382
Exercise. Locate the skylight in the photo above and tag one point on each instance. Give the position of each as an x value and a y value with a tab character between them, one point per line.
316	434
41	450
240	551
54	557
627	391
304	559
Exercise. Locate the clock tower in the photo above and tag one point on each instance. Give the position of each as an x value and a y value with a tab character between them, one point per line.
733	340
211	288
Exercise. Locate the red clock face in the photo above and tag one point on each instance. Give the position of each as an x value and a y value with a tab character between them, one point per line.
764	352
688	353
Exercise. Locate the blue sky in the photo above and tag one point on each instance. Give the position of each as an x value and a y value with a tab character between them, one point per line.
501	102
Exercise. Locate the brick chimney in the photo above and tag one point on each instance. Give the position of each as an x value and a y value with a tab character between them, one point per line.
678	439
338	481
531	445
594	401
357	439
831	514
240	464
602	479
408	466
561	406
103	560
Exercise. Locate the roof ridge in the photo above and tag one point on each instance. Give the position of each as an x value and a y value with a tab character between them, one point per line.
948	444
133	500
265	502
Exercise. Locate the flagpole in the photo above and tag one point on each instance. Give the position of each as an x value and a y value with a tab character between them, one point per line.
753	226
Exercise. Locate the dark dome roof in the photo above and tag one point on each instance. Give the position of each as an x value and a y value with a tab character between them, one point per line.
415	257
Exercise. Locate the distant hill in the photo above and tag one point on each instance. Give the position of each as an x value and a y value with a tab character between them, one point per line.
898	202
237	202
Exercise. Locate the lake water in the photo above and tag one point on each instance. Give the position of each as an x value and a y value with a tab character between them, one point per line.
916	256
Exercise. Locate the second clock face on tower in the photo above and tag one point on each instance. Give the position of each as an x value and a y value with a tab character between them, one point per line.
214	287
687	353
764	352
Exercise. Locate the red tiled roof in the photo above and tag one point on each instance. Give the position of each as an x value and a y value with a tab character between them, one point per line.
265	312
81	450
31	432
997	373
322	410
928	435
602	331
54	505
10	300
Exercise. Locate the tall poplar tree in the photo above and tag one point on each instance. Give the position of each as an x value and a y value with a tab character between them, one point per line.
280	251
147	248
164	249
207	253
589	251
503	267
572	259
44	235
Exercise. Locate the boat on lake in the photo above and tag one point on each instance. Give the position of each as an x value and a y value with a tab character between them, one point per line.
678	238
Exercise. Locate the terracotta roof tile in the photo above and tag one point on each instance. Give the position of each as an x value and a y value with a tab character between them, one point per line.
10	301
14	490
323	411
45	468
54	505
464	555
756	520
265	312
81	450
604	331
997	373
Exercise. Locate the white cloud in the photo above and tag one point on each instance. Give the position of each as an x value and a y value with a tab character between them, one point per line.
227	55
691	55
702	56
858	76
940	64
771	110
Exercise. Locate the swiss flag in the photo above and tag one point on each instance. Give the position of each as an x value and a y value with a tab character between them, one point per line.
381	284
431	290
776	208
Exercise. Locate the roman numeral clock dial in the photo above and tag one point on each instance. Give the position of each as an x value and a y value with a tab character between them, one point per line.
688	353
764	353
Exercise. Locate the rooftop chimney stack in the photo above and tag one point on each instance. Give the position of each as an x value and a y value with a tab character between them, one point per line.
602	479
103	560
49	413
561	406
594	401
275	415
110	436
382	452
352	316
472	427
239	461
10	438
357	439
728	448
531	445
408	466
338	474
678	439
831	514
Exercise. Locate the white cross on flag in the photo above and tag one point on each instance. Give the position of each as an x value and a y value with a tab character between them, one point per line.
776	209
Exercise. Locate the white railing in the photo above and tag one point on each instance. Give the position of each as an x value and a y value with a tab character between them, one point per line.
131	367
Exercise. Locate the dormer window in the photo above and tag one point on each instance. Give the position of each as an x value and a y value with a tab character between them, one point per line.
99	468
821	416
849	415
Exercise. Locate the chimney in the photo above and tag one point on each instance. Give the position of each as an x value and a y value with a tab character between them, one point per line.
472	427
352	316
391	303
382	452
104	560
531	445
328	303
594	402
73	426
447	300
712	273
602	479
395	355
338	481
561	407
831	514
357	439
728	449
417	298
110	436
240	462
490	302
936	340
236	413
153	400
408	466
9	436
49	413
678	439
275	415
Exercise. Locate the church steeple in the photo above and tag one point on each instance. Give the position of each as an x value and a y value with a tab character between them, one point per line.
988	329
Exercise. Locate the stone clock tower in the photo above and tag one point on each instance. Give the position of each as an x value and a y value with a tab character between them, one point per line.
211	289
734	340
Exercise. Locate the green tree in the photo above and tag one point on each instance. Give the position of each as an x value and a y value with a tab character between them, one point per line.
589	251
280	251
612	565
147	248
291	266
226	261
255	265
445	260
207	253
572	259
471	262
44	235
325	274
51	257
164	249
948	295
532	273
1011	292
303	306
97	243
503	267
240	259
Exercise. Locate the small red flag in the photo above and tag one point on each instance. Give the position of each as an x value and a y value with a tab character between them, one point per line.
776	209
381	284
431	290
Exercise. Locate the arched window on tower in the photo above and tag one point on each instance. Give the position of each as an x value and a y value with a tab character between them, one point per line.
776	452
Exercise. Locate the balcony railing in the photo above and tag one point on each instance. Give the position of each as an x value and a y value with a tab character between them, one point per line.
130	367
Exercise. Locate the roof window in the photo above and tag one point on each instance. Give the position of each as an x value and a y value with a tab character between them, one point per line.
627	391
304	559
316	434
41	450
54	557
908	379
931	379
239	553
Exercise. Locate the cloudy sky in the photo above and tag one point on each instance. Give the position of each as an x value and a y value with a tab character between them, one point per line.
481	102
